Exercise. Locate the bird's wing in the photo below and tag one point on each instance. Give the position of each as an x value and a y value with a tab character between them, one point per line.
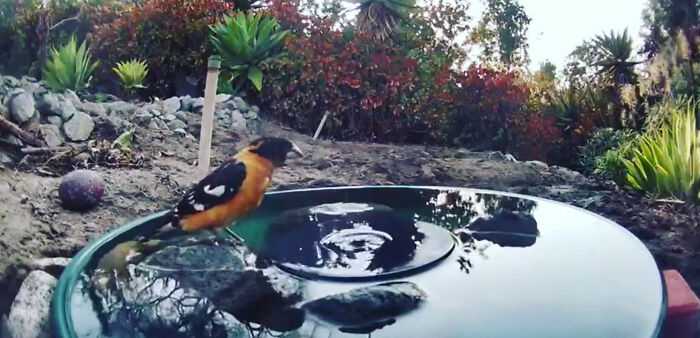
218	187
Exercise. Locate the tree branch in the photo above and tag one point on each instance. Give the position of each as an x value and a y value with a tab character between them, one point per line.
26	137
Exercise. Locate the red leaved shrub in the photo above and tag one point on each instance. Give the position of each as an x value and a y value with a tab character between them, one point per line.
361	82
171	35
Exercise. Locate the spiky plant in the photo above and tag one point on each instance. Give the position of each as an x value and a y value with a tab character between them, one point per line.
245	42
69	67
132	73
614	57
666	162
380	18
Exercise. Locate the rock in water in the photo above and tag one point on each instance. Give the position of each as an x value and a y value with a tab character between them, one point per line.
51	135
372	304
29	314
81	190
22	107
79	127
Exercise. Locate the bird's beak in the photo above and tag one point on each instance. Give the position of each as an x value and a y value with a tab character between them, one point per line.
297	150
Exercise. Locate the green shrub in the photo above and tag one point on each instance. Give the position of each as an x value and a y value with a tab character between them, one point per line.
132	73
598	145
245	42
666	162
69	67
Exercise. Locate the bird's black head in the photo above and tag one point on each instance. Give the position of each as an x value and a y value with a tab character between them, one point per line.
274	149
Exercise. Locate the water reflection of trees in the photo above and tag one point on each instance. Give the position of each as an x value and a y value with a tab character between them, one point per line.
458	208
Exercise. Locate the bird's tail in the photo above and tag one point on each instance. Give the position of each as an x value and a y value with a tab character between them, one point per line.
165	226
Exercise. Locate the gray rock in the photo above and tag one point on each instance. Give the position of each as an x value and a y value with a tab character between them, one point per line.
181	115
11	82
66	110
29	314
4	111
180	131
186	103
72	97
12	140
51	135
366	305
171	105
22	107
55	120
158	124
177	124
52	265
538	165
169	117
92	108
120	107
79	127
569	175
197	105
156	112
6	159
240	104
255	109
238	122
142	116
221	98
48	103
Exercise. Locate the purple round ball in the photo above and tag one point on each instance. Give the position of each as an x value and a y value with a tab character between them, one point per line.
81	190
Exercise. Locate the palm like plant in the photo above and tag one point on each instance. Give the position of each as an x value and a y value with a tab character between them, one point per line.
69	67
614	53
380	18
132	73
245	42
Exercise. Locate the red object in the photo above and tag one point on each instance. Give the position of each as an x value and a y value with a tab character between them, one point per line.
683	309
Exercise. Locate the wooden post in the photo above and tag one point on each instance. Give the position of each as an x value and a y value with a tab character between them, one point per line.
205	133
320	125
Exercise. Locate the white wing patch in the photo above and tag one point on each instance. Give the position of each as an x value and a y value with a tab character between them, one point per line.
199	207
217	191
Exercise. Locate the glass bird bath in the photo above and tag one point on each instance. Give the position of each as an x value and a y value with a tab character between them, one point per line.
371	261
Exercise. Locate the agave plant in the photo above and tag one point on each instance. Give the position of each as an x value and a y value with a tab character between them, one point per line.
69	67
380	18
132	73
614	54
666	162
245	42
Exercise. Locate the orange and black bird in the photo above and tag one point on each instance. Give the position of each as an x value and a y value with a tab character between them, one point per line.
234	189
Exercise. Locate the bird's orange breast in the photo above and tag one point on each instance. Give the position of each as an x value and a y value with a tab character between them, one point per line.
248	197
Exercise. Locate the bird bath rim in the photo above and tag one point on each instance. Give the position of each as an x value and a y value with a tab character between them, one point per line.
60	311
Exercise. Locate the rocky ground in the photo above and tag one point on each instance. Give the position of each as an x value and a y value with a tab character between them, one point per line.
160	166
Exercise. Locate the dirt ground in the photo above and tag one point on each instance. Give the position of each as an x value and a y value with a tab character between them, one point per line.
33	224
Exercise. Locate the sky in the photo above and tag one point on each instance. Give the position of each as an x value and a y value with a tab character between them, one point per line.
558	26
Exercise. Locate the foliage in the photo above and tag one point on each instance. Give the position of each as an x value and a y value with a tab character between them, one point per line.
613	59
246	42
666	162
70	67
132	73
485	101
535	136
170	35
596	150
358	79
502	32
380	18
